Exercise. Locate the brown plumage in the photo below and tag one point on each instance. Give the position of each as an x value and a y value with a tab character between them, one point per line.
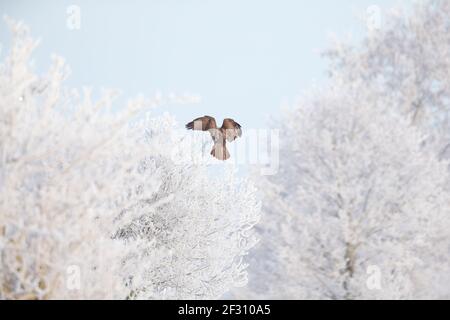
230	131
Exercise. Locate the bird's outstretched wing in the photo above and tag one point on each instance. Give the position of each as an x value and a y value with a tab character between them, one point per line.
232	129
205	123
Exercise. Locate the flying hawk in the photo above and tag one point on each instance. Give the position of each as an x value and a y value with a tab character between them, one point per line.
230	131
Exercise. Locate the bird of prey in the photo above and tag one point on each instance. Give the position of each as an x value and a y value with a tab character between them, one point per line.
230	131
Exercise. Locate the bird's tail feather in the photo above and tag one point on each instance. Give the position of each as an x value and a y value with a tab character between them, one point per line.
220	152
190	125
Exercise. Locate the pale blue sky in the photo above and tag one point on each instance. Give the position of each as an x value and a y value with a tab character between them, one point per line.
244	57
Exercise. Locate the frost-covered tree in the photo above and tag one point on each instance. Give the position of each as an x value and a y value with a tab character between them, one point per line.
94	207
63	166
358	209
407	62
195	230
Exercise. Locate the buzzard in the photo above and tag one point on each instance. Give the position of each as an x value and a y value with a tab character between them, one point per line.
230	131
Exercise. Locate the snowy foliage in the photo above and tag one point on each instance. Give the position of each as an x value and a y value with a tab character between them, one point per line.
407	62
58	180
195	230
361	205
93	207
356	195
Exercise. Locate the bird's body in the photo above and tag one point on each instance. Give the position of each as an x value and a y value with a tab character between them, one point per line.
230	131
